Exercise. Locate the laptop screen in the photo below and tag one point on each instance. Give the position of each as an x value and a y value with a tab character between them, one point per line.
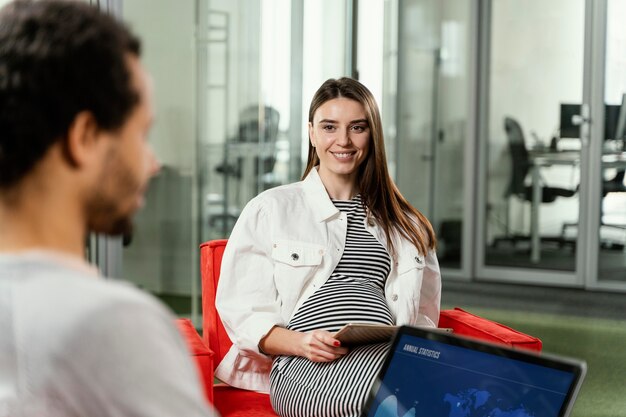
436	375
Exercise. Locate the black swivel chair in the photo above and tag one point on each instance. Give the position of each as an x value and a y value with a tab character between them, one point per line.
258	125
252	130
613	185
520	166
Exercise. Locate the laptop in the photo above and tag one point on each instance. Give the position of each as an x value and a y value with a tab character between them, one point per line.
435	374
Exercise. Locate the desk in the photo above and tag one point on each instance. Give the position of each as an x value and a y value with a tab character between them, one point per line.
540	160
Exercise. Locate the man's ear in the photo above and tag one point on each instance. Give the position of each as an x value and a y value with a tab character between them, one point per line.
82	138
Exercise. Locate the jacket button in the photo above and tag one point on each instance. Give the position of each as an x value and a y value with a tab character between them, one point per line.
295	256
418	260
394	297
321	252
370	222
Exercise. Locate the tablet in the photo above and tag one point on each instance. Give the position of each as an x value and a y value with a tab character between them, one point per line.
366	333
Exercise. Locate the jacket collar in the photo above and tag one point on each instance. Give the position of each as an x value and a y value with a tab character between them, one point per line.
317	196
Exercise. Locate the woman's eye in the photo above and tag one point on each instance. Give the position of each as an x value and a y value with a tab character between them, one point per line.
358	128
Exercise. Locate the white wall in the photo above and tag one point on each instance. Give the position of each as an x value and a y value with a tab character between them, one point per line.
615	52
536	62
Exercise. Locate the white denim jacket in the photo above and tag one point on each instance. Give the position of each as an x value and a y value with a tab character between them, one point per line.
285	245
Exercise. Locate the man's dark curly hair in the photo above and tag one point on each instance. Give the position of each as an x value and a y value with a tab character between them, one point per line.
58	58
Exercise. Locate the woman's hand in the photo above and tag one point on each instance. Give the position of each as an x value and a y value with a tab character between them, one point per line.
320	346
316	345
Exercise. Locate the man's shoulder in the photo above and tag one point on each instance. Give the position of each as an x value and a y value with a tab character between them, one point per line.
72	299
102	297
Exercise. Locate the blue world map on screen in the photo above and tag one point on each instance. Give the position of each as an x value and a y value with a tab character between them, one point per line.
468	403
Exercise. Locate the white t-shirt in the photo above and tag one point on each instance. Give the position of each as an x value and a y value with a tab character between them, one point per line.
72	344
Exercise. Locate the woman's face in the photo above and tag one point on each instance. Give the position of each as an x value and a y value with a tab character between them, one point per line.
341	136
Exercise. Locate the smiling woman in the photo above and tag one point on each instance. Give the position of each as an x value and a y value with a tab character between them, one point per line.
341	246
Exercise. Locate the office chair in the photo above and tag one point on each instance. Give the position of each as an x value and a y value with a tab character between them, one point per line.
209	350
255	138
520	166
252	130
613	185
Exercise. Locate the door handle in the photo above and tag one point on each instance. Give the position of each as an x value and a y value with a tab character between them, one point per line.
579	119
584	121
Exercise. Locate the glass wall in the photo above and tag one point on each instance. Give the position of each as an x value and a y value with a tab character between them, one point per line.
535	86
233	82
161	256
430	113
612	248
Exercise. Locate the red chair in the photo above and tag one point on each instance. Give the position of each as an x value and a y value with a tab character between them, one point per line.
234	402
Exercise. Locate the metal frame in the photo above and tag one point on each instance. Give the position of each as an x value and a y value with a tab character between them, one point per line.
295	110
398	100
105	251
352	38
593	93
203	39
484	34
470	159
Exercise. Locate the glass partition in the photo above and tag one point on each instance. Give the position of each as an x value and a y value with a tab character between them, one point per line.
233	82
612	221
429	128
161	255
533	151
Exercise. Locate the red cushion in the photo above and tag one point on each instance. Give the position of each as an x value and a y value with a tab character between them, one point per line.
234	402
201	354
467	324
212	328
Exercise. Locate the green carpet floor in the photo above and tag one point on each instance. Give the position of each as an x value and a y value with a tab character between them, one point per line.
600	342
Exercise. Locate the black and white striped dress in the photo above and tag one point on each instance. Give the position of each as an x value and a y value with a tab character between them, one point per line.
354	293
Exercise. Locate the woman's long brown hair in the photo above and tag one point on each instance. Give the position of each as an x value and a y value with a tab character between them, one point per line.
378	192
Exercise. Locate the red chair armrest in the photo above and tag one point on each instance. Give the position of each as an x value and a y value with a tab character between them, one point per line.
203	356
467	324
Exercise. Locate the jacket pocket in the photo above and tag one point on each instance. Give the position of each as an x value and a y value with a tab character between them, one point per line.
295	264
404	286
297	254
412	260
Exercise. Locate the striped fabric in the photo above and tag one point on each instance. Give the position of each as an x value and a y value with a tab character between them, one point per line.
354	293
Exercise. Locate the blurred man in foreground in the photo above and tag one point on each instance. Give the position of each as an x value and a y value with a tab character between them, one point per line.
75	110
